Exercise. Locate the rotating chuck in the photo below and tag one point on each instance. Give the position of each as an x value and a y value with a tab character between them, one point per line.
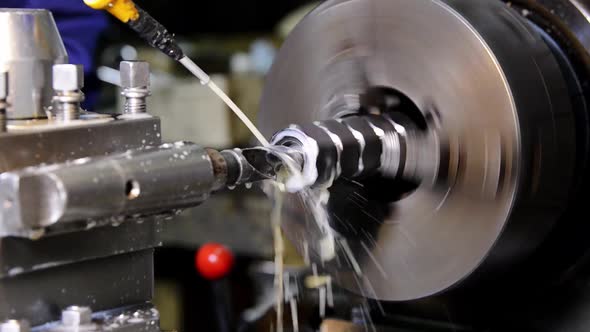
497	107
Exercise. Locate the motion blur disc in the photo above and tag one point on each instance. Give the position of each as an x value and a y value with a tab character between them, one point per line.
485	83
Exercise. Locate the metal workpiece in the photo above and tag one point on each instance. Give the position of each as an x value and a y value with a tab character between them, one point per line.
13	325
31	45
68	80
3	100
142	181
356	147
499	123
408	153
318	154
322	152
135	82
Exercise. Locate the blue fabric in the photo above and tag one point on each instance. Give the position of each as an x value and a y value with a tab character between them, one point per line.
80	28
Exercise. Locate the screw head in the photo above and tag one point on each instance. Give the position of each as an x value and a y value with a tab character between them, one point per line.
68	77
15	326
76	316
134	74
3	85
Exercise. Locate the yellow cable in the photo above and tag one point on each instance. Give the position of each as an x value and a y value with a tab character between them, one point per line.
124	10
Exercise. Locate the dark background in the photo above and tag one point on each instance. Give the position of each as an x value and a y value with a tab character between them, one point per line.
192	18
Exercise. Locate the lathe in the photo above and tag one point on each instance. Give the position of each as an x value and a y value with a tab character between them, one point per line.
451	135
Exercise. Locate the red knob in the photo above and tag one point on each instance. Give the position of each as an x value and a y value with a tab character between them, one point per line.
214	261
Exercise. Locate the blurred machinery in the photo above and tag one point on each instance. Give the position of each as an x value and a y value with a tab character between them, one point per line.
471	221
451	136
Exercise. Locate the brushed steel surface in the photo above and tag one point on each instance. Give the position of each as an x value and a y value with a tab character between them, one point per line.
143	317
486	85
111	266
67	77
29	45
57	144
142	181
91	242
102	284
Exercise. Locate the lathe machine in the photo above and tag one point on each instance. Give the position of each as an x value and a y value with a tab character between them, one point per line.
452	137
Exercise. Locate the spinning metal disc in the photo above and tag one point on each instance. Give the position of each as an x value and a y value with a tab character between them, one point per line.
487	86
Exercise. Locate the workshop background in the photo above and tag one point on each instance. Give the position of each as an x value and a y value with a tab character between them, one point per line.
235	42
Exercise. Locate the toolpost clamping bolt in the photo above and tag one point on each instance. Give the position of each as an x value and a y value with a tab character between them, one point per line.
74	316
68	79
135	81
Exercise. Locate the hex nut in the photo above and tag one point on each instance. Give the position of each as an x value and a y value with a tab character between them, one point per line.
76	316
68	77
134	74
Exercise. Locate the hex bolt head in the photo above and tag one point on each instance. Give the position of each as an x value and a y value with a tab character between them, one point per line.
134	74
68	77
15	326
3	85
76	316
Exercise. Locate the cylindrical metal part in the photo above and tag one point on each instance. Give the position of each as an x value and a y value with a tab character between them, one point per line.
66	108
371	149
359	146
344	139
135	103
30	45
151	180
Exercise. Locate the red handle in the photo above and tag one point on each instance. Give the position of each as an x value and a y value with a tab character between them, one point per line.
214	261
